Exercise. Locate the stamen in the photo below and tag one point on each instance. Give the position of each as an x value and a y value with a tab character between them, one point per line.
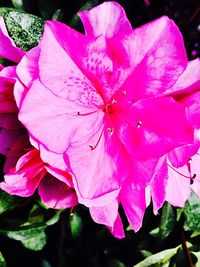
114	101
192	178
110	130
92	147
124	92
86	114
188	177
71	212
139	124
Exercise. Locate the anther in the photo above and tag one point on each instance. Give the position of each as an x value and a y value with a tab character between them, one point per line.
71	212
192	178
114	101
124	92
110	130
188	177
139	124
91	146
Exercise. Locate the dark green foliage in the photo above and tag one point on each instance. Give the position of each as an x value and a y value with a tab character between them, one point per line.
34	236
25	29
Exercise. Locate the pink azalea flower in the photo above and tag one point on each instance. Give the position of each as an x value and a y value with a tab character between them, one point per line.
102	105
31	172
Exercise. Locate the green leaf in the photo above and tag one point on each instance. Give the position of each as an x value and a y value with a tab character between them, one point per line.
19	4
31	238
6	201
155	232
194	234
75	225
2	261
145	253
45	263
168	220
160	259
197	255
32	233
192	213
24	29
76	22
55	218
58	15
37	242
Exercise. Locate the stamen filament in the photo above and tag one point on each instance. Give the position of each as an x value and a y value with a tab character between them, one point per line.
86	114
188	177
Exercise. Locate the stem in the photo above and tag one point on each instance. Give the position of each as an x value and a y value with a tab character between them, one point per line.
186	250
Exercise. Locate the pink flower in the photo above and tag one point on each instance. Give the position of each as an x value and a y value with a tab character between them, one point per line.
31	172
102	105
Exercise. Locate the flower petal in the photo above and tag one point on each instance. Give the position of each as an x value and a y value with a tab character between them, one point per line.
158	184
157	57
27	69
56	194
108	19
134	204
189	81
154	126
178	187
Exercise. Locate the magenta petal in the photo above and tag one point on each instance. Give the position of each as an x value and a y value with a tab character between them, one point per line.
163	126
62	176
134	204
108	19
56	194
151	50
9	121
158	184
178	187
181	155
8	49
193	106
102	184
27	69
108	215
9	73
189	81
105	215
53	159
19	92
117	230
195	169
42	110
26	176
7	138
63	76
